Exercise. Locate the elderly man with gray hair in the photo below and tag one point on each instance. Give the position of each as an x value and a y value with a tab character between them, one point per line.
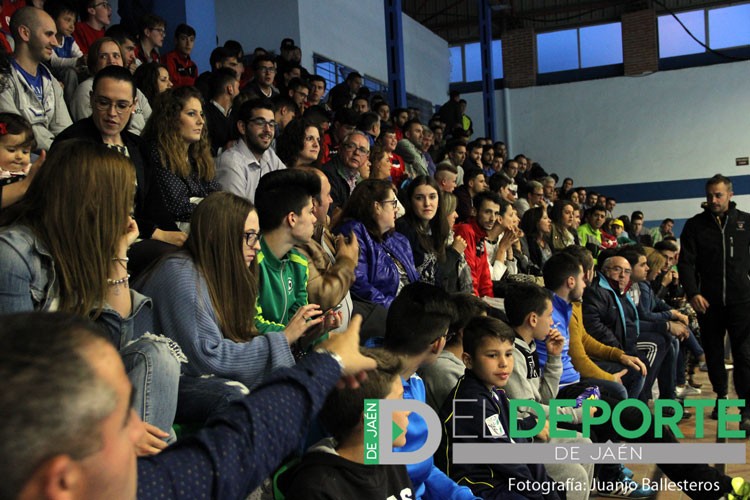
343	170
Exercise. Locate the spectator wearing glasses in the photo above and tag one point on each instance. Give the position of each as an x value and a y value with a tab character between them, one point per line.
299	91
264	70
611	317
96	16
151	38
343	171
386	262
203	299
534	198
179	152
239	168
299	146
112	101
103	53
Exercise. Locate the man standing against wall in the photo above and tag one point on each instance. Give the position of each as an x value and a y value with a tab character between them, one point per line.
714	265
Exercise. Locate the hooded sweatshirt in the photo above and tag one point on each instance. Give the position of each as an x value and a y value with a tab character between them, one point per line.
324	474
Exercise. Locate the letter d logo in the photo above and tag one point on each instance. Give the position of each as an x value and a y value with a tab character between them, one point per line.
386	437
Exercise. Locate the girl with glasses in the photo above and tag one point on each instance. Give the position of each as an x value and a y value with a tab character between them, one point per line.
205	298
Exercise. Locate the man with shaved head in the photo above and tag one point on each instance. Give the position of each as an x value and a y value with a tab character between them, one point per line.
32	91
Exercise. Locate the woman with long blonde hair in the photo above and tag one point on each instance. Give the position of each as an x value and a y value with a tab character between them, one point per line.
63	247
179	152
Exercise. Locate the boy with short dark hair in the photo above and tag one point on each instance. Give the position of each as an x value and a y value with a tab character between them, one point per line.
334	467
529	309
416	327
284	201
482	409
182	70
441	377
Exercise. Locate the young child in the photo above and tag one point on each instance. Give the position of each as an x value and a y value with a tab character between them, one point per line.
182	70
488	356
529	309
67	60
16	144
334	467
67	54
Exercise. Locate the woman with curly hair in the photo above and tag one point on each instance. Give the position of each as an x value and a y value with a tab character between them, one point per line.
179	152
152	79
299	145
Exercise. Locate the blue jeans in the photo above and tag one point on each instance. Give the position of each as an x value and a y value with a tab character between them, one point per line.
632	381
691	344
154	371
201	397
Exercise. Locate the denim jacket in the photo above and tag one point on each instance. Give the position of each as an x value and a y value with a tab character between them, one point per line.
28	282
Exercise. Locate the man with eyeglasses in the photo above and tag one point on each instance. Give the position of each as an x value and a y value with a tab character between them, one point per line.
95	17
264	71
153	29
31	90
298	90
239	168
112	101
343	171
534	198
611	317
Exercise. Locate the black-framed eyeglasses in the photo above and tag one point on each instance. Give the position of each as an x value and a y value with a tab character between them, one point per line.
357	149
261	122
106	5
266	69
104	104
393	203
251	237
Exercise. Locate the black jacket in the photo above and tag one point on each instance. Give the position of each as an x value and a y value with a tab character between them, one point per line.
324	475
606	315
479	409
715	257
150	212
339	187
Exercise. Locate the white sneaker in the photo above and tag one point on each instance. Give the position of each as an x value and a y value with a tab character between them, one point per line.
686	390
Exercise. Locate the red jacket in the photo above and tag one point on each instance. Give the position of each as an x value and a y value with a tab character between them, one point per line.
476	256
182	70
85	35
